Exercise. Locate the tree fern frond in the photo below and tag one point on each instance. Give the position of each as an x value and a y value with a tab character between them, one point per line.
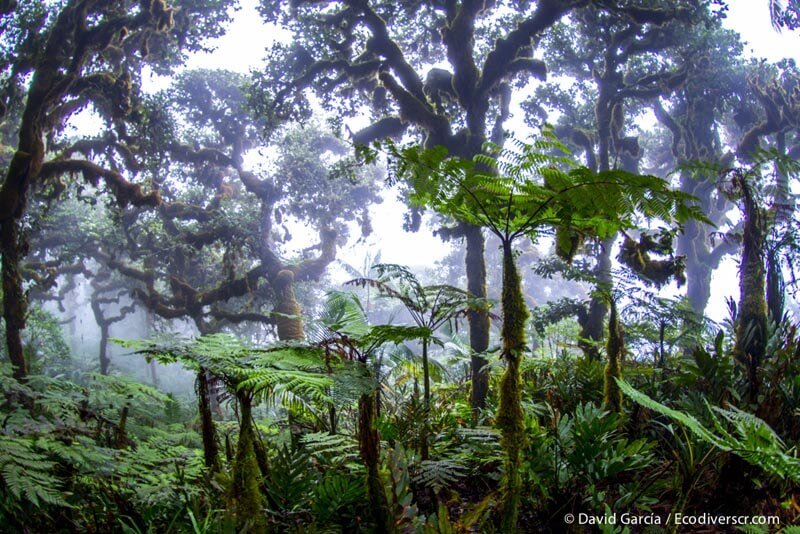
28	474
439	473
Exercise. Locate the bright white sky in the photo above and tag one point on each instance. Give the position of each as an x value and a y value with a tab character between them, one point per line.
242	49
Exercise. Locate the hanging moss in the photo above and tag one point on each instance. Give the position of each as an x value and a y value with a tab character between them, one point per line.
659	272
568	242
510	417
246	496
615	348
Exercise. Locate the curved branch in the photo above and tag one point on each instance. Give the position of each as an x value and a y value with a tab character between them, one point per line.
124	191
497	64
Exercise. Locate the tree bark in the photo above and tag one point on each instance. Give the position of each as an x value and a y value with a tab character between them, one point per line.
426	396
207	427
105	361
592	325
615	349
247	498
510	416
751	329
369	446
698	270
15	305
478	320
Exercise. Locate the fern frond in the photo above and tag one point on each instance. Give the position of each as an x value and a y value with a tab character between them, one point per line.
752	439
439	473
28	474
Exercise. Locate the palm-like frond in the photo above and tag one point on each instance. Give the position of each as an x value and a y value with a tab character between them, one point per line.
535	186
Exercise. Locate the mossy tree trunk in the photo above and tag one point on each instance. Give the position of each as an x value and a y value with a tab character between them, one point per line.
15	304
776	298
751	330
369	447
426	398
615	349
207	427
246	495
510	417
289	322
592	322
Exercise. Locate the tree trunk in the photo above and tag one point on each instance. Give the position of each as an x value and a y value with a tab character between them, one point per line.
105	361
369	446
154	373
592	327
478	320
15	305
615	349
510	417
290	325
207	427
691	244
775	286
246	495
426	408
751	330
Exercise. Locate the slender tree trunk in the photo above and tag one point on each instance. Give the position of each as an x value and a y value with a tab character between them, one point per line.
208	429
426	409
775	286
510	417
369	446
478	320
593	325
105	361
615	348
154	373
247	498
122	434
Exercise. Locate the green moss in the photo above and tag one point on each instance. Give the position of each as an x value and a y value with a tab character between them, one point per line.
369	446
208	429
510	417
615	349
751	330
246	495
290	325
